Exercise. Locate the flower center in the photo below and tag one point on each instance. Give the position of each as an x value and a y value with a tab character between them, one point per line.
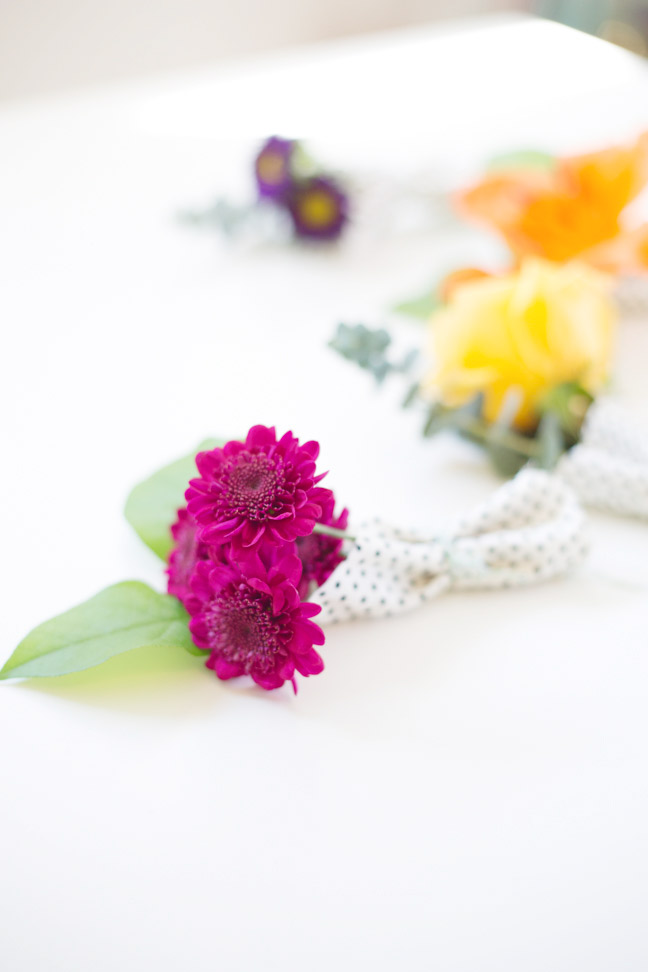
271	167
252	485
242	630
318	209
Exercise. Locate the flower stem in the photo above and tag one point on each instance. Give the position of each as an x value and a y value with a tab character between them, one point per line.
494	433
330	531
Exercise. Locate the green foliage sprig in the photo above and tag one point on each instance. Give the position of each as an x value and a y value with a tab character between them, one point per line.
561	411
368	348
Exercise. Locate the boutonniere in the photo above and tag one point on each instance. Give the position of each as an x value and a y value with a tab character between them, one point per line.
257	557
293	197
561	210
519	364
566	208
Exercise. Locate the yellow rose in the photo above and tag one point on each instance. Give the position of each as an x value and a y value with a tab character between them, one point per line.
541	326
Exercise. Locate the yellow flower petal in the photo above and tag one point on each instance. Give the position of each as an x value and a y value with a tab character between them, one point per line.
531	330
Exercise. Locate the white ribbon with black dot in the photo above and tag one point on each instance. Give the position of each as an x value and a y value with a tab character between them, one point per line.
608	469
532	529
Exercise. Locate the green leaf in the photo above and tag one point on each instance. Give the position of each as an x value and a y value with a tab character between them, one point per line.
521	159
507	449
420	307
569	402
460	419
368	348
438	419
152	505
412	394
302	164
551	439
223	215
506	461
122	617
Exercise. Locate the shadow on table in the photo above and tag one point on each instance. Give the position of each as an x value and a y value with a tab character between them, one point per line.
365	664
158	681
380	676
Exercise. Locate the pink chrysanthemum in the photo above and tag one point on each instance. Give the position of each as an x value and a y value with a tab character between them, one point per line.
320	554
262	489
247	613
188	550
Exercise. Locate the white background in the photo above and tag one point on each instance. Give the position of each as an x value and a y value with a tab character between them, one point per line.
463	789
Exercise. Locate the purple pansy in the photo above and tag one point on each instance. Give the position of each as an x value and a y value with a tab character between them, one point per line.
273	168
319	208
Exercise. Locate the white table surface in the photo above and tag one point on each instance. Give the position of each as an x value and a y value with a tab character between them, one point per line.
464	788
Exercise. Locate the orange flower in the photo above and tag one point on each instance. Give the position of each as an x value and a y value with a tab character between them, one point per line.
571	209
457	278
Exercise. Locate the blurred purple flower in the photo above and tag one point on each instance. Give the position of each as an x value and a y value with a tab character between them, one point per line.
272	168
319	208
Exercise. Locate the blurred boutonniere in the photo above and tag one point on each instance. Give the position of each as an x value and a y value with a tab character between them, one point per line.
292	197
561	210
254	551
518	363
566	208
576	207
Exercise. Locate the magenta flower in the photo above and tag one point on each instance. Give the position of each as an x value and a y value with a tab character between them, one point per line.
187	552
247	613
320	554
262	489
319	208
272	168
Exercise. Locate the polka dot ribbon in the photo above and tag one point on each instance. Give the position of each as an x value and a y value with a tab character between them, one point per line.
532	529
608	469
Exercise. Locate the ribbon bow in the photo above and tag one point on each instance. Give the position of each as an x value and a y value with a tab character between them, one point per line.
532	529
608	469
